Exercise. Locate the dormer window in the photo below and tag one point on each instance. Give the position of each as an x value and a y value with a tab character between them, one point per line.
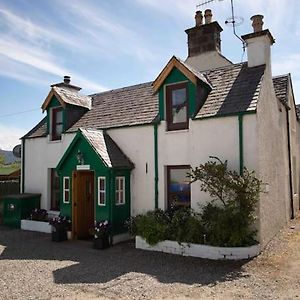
177	106
57	123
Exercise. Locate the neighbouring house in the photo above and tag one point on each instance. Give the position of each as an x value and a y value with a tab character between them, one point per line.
118	153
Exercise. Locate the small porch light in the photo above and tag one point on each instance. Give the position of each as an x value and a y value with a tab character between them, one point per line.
80	158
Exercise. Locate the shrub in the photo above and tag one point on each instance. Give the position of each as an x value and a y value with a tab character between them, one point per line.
186	226
152	226
228	219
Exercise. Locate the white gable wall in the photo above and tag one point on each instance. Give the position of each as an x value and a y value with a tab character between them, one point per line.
273	163
41	155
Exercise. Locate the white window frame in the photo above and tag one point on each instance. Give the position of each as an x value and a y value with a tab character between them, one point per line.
119	201
101	191
65	189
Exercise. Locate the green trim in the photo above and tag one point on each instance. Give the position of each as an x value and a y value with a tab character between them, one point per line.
155	167
241	146
251	112
112	201
23	166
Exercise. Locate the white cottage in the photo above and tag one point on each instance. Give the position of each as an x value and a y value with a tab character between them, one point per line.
118	153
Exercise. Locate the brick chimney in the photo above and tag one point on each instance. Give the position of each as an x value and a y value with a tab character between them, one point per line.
258	43
204	43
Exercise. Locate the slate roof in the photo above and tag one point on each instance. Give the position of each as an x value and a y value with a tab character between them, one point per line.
133	105
235	88
73	97
107	149
40	130
281	87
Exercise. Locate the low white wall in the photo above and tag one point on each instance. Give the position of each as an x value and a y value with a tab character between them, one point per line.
36	226
201	251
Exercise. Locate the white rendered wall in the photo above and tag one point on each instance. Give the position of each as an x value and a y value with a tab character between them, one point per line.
272	161
41	155
209	137
138	144
208	60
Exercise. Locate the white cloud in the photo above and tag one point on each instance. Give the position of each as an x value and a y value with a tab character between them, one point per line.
37	58
26	46
104	31
10	136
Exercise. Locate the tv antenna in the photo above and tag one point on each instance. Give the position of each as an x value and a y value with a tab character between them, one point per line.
233	21
206	2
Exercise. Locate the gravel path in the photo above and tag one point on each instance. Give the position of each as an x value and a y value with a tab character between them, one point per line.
33	267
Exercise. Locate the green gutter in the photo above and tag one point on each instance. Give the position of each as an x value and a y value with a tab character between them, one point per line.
241	147
155	167
23	166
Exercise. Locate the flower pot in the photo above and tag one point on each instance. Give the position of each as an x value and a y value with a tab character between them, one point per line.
101	243
59	235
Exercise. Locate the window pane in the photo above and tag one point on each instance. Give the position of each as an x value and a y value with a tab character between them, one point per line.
58	129
102	198
66	183
179	112
66	196
58	116
101	184
179	187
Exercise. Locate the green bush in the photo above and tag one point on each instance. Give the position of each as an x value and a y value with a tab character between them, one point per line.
229	218
186	226
226	221
152	226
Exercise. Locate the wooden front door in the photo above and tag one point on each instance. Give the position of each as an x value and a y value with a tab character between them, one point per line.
82	204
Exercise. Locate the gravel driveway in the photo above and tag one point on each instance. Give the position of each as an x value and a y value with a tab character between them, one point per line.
33	267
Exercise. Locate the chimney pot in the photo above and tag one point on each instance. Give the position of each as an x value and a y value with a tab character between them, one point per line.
199	18
208	16
67	79
257	23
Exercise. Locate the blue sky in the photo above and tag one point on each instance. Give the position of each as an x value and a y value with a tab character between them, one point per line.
110	44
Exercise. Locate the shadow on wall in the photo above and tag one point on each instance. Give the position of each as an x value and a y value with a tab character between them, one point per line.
96	266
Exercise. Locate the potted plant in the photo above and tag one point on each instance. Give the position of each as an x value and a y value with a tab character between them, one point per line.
101	234
60	226
39	215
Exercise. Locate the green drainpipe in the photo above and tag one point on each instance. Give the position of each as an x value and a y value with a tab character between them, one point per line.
155	167
241	148
112	199
23	166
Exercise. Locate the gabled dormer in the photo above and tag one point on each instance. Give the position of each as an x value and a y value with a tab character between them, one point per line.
182	91
64	106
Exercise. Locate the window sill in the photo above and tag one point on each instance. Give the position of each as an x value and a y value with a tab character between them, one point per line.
54	141
176	131
118	204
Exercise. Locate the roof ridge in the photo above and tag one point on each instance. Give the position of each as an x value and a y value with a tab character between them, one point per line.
283	75
122	88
